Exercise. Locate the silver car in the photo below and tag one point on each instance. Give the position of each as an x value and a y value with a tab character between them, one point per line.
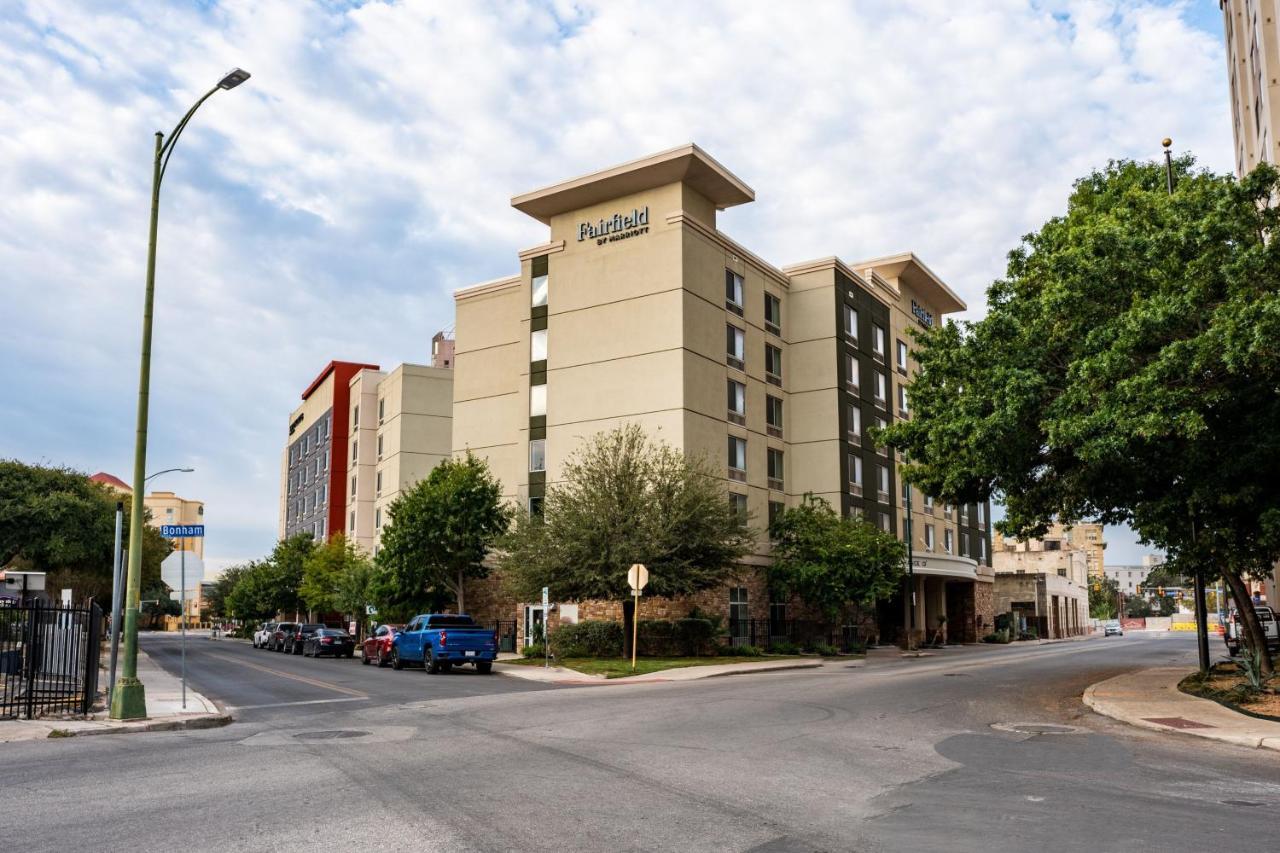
1113	627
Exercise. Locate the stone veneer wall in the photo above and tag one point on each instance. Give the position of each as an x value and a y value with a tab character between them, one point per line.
984	606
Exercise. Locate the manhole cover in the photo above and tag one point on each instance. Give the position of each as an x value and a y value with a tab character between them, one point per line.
1038	728
330	735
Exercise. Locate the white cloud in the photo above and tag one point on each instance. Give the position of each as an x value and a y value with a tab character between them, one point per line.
327	208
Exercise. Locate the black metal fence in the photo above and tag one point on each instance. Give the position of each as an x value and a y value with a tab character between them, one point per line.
505	633
769	634
48	659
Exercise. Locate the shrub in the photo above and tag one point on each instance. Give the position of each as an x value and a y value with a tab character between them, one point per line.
744	651
826	650
590	638
783	647
693	634
536	650
856	648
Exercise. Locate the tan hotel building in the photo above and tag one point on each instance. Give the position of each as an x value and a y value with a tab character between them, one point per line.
638	308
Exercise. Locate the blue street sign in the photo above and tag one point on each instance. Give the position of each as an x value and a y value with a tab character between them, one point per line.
181	531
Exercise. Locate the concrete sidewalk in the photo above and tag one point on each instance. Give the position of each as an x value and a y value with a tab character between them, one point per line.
164	706
1150	698
563	675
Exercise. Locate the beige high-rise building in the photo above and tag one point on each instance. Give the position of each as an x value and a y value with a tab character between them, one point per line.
639	309
1253	75
165	508
401	428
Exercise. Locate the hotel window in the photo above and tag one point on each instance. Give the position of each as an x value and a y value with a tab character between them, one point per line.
852	372
776	509
902	357
964	513
855	474
877	341
379	447
964	544
773	415
539	288
733	291
538	400
735	346
351	525
324	493
982	517
902	400
928	503
882	482
906	493
929	539
324	461
775	468
306	475
882	449
853	426
355	445
881	388
538	455
353	487
538	345
738	503
946	511
739	612
772	314
772	364
737	402
982	550
948	541
355	416
290	484
737	458
377	484
535	506
377	518
884	522
851	322
382	409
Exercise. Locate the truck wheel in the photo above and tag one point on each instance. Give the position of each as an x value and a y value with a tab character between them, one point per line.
395	660
430	664
484	667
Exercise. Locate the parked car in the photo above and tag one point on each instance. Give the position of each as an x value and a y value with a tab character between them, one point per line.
377	646
264	636
438	641
1233	631
282	637
329	641
1113	627
304	633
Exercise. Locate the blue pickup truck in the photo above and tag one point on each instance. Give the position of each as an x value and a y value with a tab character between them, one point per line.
437	641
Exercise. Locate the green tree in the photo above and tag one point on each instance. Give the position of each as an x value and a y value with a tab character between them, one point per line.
622	499
217	593
287	563
832	562
1104	597
252	594
1125	372
439	532
336	576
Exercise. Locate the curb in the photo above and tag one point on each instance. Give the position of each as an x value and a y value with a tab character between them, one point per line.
204	721
582	679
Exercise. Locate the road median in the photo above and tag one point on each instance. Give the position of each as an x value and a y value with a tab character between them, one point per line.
565	675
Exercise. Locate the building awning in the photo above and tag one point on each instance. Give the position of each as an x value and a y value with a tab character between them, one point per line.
944	565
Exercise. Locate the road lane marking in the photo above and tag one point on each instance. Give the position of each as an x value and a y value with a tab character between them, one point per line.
314	682
289	704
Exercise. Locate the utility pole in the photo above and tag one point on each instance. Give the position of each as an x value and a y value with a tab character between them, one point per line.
911	576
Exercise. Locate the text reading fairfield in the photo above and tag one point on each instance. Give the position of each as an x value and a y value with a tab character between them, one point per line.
617	227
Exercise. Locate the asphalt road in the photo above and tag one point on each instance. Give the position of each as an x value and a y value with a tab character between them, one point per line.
899	754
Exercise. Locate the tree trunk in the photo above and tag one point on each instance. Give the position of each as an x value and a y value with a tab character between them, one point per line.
462	608
1253	634
628	621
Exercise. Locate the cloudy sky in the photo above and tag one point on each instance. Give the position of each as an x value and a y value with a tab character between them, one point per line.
328	208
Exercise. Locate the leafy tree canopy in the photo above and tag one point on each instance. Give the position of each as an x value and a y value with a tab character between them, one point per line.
832	562
625	498
1104	597
439	532
336	576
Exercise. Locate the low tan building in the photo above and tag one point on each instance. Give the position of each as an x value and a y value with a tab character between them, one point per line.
1046	581
639	309
401	428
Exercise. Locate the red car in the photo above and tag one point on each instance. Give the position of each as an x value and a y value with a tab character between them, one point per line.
377	646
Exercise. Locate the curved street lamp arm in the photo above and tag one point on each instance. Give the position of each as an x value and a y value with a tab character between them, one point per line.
167	149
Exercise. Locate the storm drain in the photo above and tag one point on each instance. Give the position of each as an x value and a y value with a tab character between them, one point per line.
1038	728
336	734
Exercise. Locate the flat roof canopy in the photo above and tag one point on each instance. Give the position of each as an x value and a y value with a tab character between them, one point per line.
687	163
913	271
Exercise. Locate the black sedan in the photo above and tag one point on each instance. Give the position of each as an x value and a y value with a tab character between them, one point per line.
329	641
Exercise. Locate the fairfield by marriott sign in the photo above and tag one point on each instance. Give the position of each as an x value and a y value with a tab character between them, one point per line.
618	227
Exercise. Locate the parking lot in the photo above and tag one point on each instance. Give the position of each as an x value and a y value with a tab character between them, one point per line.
260	684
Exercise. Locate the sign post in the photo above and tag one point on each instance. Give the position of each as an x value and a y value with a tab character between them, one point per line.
546	626
182	532
638	578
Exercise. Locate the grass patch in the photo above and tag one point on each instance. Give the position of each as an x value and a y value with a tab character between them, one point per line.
1228	684
621	667
61	733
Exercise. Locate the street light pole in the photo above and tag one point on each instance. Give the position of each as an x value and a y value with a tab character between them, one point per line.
128	698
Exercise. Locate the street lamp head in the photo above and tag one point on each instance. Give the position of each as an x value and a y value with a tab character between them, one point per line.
1167	142
233	78
187	470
